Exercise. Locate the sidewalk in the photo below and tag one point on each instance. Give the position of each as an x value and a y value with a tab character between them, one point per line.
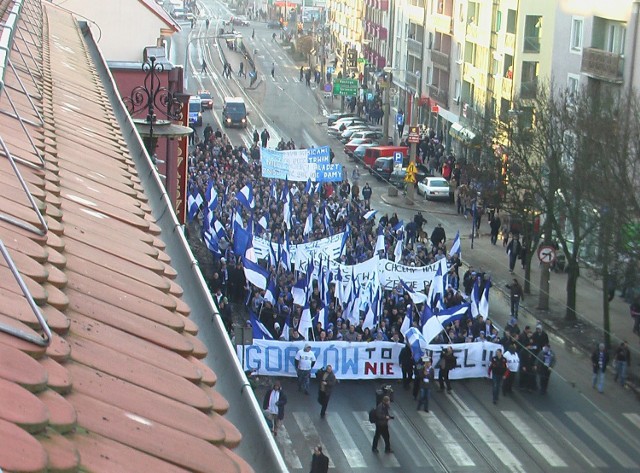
582	335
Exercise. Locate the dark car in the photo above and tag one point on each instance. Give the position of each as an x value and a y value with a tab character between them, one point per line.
237	21
382	168
206	99
334	117
274	25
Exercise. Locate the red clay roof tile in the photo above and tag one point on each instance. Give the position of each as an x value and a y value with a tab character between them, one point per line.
20	451
22	407
58	377
20	368
62	415
62	454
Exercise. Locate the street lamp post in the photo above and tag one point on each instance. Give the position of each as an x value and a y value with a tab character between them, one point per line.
387	105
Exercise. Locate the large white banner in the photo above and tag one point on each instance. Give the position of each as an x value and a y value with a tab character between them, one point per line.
415	277
329	246
353	360
300	165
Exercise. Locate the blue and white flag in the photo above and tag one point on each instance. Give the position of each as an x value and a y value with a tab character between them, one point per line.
246	197
308	225
426	314
368	215
379	241
416	297
436	290
455	247
397	252
399	226
258	329
255	274
406	324
237	218
194	201
285	253
299	292
271	294
241	239
211	195
435	324
327	221
483	305
286	208
345	238
245	157
305	321
417	342
286	327
264	221
475	299
308	187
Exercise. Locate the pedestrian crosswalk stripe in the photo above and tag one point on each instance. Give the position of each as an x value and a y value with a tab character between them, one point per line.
534	439
408	439
634	419
290	456
627	436
486	434
572	440
310	433
387	460
451	445
351	451
617	454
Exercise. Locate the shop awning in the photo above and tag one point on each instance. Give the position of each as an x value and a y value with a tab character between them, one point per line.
461	133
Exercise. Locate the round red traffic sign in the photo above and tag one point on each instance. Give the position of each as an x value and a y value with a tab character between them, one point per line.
547	254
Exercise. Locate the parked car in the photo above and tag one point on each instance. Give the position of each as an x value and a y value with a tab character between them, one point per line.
373	135
340	125
350	147
274	25
334	117
382	168
206	99
434	188
346	135
397	176
237	21
358	153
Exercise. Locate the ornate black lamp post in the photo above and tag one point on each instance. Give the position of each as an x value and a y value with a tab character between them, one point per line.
153	97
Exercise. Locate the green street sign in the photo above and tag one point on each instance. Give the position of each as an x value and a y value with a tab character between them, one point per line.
345	87
363	60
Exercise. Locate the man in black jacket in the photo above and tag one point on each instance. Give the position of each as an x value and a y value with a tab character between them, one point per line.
497	370
406	363
327	380
447	363
319	461
382	426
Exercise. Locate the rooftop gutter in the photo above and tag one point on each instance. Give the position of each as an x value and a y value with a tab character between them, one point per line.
258	446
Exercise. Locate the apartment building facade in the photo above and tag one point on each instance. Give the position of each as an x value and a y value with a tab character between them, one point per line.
595	46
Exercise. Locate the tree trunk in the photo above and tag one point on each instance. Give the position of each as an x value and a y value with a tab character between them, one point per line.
606	320
573	272
527	275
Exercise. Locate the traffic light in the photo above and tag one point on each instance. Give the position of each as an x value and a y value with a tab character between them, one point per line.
352	58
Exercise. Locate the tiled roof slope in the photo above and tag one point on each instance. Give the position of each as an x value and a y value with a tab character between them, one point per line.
121	387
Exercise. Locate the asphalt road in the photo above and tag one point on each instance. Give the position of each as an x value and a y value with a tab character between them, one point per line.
571	429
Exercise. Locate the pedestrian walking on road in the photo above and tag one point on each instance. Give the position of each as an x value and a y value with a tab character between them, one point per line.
327	379
623	360
319	461
304	362
273	70
497	371
426	381
546	362
301	73
513	365
204	67
599	362
382	426
366	195
406	363
513	250
264	137
273	405
446	364
517	295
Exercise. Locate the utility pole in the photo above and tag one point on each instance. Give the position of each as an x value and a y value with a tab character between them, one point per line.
345	75
387	108
414	139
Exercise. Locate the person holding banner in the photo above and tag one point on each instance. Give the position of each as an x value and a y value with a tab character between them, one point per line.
497	371
447	363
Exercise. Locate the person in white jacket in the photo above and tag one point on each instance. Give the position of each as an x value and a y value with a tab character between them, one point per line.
513	365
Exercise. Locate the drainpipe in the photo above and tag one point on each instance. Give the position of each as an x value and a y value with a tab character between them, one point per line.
632	66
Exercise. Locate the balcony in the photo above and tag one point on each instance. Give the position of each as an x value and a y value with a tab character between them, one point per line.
414	47
531	44
602	65
439	95
529	89
442	23
440	59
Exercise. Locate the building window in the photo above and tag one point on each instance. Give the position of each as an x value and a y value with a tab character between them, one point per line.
459	53
456	91
616	38
473	12
573	85
577	25
498	24
511	21
532	30
529	79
